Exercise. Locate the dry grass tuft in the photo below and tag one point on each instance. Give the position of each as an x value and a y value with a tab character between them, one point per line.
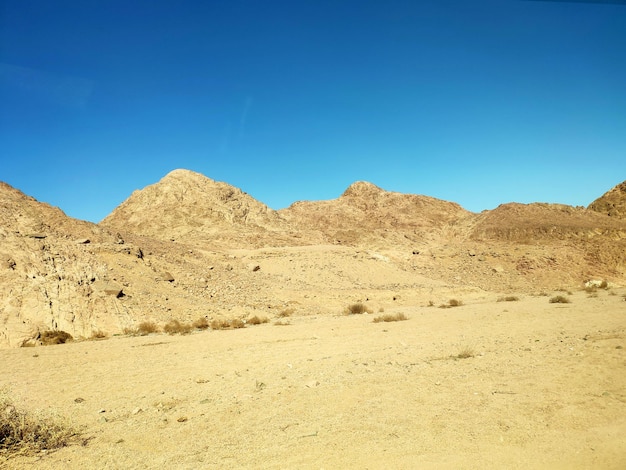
256	320
174	327
286	312
508	298
452	303
55	337
98	334
465	353
282	323
559	299
147	327
227	324
27	432
389	318
201	323
357	309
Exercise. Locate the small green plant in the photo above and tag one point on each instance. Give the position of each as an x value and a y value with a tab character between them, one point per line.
55	337
389	318
357	309
175	327
27	433
508	298
559	299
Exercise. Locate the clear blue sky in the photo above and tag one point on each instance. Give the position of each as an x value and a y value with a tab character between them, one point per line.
480	102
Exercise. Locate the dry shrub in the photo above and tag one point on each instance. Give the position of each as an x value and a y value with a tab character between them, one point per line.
286	312
146	328
604	284
389	318
55	337
465	353
98	334
282	323
357	309
227	324
174	327
452	303
508	298
201	323
559	299
256	320
27	432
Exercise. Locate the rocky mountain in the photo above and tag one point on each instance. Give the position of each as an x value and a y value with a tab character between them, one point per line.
612	203
185	205
189	247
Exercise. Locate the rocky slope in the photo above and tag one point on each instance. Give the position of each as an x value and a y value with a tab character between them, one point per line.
612	203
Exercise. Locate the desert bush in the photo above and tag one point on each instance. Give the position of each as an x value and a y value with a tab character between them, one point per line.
30	432
147	327
286	312
465	353
98	334
604	284
282	323
559	299
452	303
256	320
508	298
201	323
358	308
227	324
55	337
389	318
175	327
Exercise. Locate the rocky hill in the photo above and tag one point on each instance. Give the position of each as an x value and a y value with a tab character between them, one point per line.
185	205
189	247
612	203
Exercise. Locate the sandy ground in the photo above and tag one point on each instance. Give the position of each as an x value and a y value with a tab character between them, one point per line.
545	388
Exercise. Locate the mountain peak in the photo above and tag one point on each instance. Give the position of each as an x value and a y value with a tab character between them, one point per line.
612	203
362	188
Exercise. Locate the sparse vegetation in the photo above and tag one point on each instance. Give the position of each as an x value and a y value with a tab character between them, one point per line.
286	312
282	323
508	298
98	334
227	324
147	327
465	353
175	327
201	323
143	329
431	303
256	320
559	299
30	432
452	303
389	318
357	309
55	337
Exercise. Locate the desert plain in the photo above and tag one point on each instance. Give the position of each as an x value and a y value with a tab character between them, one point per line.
508	352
